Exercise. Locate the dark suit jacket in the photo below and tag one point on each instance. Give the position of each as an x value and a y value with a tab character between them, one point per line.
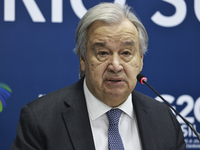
59	121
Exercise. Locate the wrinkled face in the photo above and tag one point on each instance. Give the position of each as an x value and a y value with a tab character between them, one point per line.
112	61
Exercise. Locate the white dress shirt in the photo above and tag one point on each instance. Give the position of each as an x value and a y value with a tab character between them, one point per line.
128	128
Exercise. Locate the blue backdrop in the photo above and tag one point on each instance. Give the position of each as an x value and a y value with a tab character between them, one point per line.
37	39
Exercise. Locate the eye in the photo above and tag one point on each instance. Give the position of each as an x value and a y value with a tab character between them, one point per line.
126	53
103	53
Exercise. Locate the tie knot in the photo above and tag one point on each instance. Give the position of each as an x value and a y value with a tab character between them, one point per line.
113	116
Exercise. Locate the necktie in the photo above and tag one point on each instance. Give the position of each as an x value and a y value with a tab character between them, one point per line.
114	139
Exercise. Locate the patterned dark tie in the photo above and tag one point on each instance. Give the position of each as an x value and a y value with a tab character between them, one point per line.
114	139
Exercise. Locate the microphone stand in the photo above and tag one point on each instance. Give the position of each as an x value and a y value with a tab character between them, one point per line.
187	122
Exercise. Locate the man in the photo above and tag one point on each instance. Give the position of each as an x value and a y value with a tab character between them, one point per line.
111	42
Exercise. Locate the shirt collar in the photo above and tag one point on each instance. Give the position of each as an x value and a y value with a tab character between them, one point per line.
97	108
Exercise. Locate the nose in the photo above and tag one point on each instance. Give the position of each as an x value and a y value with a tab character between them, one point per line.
115	65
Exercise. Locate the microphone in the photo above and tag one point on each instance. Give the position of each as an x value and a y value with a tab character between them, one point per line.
142	79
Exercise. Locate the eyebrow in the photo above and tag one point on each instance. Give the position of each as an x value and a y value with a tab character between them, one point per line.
103	44
128	43
98	44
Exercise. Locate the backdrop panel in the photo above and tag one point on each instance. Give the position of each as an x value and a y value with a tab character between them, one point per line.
37	39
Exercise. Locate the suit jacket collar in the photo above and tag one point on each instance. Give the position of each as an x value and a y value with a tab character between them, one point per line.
76	118
143	114
78	124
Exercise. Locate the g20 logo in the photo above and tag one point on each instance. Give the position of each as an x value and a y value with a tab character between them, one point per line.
179	15
191	106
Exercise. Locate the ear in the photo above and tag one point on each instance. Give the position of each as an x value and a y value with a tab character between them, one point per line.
82	63
141	61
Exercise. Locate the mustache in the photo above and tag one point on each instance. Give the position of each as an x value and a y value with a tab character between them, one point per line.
115	76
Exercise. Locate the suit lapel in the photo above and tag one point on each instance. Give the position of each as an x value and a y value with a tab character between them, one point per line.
143	114
77	120
78	125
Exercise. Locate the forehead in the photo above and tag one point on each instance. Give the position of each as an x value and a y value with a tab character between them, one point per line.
123	32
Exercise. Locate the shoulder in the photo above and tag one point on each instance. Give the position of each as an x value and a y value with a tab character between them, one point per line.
158	111
147	100
56	99
151	105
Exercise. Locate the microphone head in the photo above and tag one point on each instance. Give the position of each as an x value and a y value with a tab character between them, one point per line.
141	78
